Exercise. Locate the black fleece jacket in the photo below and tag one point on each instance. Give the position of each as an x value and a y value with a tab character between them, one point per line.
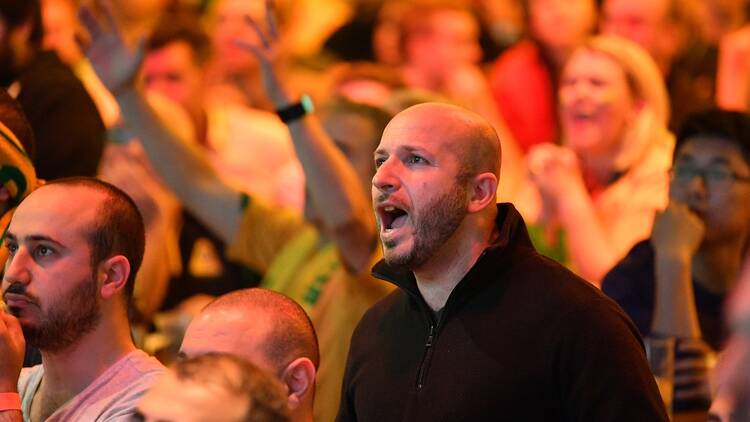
521	338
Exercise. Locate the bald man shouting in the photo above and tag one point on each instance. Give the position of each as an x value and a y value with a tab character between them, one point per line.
481	327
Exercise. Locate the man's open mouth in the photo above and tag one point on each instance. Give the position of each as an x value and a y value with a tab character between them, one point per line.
392	217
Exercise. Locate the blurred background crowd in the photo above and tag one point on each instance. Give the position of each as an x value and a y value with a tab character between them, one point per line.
624	129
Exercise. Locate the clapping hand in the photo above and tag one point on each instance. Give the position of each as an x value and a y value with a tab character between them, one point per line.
555	171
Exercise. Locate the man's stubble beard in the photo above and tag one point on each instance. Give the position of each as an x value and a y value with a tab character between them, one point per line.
442	217
67	320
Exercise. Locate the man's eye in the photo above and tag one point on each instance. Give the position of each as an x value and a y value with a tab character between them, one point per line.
379	162
718	173
415	159
12	247
44	251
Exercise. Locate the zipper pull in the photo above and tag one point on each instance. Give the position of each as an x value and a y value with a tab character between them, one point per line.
430	336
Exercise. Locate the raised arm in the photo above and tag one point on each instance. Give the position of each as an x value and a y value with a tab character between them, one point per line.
333	185
178	161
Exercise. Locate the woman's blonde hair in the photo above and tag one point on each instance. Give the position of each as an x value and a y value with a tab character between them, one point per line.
647	85
643	75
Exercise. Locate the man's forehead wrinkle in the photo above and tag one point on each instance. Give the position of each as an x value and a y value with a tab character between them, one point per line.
434	132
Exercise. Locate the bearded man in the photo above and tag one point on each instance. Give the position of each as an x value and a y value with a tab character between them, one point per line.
75	246
482	327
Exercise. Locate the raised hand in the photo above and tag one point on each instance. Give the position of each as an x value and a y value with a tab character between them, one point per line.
12	348
114	61
264	53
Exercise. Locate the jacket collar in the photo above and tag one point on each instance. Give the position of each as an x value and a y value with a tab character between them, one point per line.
493	262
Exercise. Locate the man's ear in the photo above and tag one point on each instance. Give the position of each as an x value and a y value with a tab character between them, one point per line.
483	192
113	275
299	377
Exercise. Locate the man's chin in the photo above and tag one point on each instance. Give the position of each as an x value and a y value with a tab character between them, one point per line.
398	256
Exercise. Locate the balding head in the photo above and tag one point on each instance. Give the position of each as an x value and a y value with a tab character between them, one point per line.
468	135
263	326
436	182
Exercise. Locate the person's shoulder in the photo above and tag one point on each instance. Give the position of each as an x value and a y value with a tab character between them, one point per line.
143	363
551	282
635	272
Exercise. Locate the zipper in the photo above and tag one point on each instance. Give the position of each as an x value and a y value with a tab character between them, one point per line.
427	355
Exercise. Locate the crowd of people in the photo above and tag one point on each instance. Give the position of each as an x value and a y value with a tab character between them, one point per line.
374	210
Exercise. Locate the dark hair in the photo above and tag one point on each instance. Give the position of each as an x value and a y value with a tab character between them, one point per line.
379	117
292	335
13	116
118	229
16	13
266	397
731	126
181	27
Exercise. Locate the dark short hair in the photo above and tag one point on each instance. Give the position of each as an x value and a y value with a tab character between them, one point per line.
292	335
16	13
181	27
730	126
267	401
118	229
379	117
14	118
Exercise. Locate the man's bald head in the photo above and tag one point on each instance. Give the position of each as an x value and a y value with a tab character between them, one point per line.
253	322
468	135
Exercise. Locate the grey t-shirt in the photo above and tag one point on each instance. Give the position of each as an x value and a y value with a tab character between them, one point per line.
113	396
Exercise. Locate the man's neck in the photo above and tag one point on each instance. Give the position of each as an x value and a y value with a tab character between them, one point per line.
437	278
70	371
717	267
304	413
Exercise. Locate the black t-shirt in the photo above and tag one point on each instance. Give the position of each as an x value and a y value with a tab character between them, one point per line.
632	284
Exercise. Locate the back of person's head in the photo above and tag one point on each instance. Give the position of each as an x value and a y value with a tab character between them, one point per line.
343	121
17	173
364	82
14	118
219	386
727	125
378	116
17	13
291	334
118	229
181	26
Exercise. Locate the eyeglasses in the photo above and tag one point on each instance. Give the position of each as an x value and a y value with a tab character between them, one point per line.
717	177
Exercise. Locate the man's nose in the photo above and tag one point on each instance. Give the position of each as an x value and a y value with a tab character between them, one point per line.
17	267
385	179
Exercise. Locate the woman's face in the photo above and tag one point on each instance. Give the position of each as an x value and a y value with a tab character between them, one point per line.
596	103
